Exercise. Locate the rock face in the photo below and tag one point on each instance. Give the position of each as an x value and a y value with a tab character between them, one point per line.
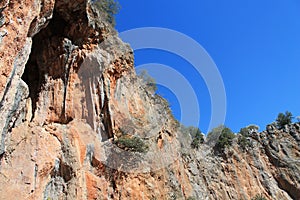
270	166
69	96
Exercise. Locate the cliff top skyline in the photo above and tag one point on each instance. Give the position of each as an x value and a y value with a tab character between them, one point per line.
255	46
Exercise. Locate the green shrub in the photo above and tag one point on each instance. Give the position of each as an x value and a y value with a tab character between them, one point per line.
225	139
248	130
244	132
283	119
129	143
108	9
195	133
197	140
259	197
214	134
243	142
190	130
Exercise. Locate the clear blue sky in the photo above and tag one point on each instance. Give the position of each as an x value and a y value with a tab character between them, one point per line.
255	45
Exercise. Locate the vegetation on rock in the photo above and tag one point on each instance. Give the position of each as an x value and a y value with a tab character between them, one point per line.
284	119
225	139
129	143
195	133
243	142
214	134
246	131
75	158
150	86
197	140
108	9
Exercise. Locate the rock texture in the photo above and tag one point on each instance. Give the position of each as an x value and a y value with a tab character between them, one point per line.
270	166
69	92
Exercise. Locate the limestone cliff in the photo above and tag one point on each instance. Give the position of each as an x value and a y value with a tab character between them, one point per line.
70	99
269	166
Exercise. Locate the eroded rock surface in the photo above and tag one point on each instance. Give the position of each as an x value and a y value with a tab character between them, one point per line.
270	167
68	92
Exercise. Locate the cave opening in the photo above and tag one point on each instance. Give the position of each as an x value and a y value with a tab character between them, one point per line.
58	51
36	69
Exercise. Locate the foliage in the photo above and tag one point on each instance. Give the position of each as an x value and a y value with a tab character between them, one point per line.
246	131
259	197
129	143
195	133
253	127
243	142
197	140
148	80
108	9
191	130
283	119
244	134
225	139
214	134
298	118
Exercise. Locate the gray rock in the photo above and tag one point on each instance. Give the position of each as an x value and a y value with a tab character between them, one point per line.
13	100
2	20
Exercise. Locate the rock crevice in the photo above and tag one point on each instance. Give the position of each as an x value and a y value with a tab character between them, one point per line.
69	91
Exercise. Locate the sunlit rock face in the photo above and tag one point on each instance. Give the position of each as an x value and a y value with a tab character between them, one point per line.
269	166
71	106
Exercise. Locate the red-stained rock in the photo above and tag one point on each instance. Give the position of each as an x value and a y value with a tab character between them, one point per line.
68	92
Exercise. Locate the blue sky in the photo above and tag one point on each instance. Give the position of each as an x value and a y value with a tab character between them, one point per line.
255	45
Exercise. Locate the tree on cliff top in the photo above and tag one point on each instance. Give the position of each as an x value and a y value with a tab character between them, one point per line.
283	119
214	134
108	9
197	140
225	139
195	133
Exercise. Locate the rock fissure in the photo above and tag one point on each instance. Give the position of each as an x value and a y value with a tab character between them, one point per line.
69	62
79	94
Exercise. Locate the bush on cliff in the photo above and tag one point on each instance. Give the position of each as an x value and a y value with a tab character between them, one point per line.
197	139
195	133
244	133
214	134
196	143
243	142
129	143
108	9
225	139
283	119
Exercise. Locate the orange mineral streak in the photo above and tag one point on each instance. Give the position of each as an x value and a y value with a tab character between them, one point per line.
82	94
